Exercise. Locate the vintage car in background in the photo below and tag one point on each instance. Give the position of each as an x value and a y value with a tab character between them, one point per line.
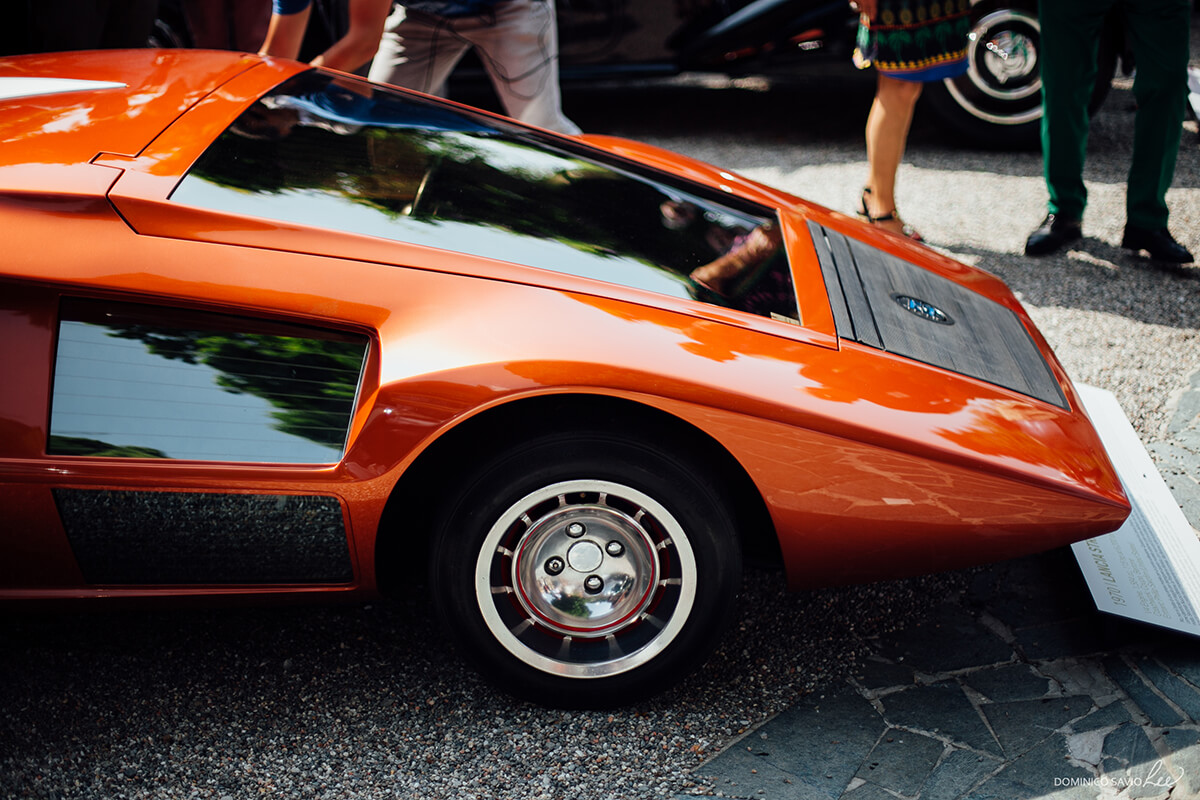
274	332
997	103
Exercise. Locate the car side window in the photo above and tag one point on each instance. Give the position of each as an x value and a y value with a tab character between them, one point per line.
138	381
337	153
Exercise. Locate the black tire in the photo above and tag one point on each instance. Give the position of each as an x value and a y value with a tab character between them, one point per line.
998	102
586	570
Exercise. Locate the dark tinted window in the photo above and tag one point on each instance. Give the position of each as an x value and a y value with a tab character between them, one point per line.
143	382
341	154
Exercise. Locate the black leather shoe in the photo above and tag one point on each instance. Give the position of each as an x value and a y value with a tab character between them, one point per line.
1054	233
1158	243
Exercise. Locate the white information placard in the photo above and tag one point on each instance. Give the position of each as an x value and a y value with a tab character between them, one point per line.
1149	569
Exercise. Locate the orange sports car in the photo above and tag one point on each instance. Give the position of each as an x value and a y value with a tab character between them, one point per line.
268	330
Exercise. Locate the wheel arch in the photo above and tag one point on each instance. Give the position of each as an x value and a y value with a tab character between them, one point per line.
402	544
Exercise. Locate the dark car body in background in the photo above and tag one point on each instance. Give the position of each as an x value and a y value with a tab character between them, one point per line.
997	103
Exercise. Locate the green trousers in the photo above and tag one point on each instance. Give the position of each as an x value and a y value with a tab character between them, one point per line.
1158	31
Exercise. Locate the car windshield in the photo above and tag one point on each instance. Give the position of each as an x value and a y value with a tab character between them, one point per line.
334	152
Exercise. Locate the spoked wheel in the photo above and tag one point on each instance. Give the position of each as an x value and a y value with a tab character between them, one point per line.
998	101
585	570
585	578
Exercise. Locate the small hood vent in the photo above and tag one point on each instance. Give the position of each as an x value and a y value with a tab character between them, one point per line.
885	302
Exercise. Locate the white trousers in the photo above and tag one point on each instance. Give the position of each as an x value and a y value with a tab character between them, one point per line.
517	43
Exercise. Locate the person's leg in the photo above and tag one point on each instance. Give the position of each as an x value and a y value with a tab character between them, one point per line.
1070	31
1158	31
418	51
1070	40
518	45
887	135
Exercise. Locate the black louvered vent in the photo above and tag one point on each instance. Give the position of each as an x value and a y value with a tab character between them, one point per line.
885	302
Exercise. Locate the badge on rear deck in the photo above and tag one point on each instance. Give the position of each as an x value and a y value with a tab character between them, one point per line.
922	309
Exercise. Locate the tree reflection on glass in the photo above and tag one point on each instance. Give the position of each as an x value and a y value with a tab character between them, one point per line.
139	401
333	152
310	382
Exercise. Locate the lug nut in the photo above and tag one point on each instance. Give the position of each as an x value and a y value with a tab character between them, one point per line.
555	565
593	584
614	548
576	529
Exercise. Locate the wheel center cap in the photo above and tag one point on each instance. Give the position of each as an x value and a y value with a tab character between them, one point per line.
585	556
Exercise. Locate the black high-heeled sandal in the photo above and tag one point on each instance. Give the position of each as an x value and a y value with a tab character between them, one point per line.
905	228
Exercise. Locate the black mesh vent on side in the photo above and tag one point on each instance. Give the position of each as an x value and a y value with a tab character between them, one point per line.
150	537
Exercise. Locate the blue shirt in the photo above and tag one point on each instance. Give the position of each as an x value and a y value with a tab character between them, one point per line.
289	6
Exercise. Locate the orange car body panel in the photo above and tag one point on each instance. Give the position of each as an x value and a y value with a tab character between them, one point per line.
871	465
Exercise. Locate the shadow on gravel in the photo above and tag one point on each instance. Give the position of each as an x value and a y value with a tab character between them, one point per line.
1100	277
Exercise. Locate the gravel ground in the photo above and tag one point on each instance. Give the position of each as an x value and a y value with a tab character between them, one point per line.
370	702
363	702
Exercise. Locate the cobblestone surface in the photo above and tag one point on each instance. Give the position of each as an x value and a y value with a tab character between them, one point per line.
1016	689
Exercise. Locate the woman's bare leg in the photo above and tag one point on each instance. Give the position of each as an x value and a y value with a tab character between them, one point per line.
887	134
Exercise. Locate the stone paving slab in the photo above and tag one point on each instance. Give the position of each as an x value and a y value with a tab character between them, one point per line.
1019	689
1117	716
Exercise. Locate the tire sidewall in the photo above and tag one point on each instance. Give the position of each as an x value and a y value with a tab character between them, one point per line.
693	500
978	131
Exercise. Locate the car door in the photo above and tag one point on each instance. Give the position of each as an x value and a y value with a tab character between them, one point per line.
156	445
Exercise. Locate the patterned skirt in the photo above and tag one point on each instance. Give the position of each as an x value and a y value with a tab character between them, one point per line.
916	40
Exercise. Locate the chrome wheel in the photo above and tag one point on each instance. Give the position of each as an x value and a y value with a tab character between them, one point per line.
585	579
587	568
1003	84
998	101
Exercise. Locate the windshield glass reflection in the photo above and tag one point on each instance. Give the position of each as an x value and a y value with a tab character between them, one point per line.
338	153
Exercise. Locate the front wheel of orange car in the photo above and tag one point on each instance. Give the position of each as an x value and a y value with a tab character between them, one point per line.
584	570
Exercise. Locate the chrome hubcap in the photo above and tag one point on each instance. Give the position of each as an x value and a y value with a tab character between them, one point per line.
1003	80
585	579
572	585
1010	58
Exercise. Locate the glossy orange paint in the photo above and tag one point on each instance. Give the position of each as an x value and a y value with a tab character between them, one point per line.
870	465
